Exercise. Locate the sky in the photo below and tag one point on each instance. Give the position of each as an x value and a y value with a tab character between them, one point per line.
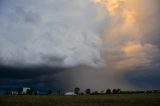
95	44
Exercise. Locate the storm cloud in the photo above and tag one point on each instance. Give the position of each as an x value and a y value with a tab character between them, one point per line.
85	43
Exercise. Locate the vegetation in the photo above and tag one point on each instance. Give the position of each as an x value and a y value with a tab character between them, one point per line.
29	92
108	91
142	99
76	90
49	92
88	91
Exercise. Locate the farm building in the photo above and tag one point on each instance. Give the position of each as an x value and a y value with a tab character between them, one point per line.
24	90
70	94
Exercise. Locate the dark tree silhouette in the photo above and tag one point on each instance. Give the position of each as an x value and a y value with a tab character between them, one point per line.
118	90
76	90
19	90
49	92
88	91
114	91
108	91
29	92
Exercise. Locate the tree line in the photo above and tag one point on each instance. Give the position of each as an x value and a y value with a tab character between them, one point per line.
111	91
77	91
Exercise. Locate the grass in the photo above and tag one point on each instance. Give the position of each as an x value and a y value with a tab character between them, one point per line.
99	100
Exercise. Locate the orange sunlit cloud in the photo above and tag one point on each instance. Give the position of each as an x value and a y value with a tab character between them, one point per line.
125	35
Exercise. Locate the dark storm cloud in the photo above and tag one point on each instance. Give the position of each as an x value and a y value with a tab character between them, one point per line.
145	78
39	78
8	72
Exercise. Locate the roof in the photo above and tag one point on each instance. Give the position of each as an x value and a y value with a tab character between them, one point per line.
70	94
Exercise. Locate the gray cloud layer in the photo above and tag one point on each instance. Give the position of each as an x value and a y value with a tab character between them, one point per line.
55	33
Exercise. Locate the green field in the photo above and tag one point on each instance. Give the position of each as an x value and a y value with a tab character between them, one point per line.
105	100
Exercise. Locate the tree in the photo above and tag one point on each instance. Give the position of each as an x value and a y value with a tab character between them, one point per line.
19	90
108	91
29	92
49	92
118	90
114	91
88	91
76	90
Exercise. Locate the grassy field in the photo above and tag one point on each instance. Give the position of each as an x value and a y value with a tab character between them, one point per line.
108	100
